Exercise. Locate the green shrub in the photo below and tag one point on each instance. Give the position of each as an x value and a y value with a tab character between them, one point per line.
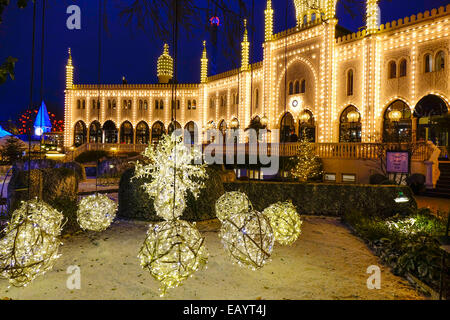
57	187
91	156
405	243
378	179
134	203
327	199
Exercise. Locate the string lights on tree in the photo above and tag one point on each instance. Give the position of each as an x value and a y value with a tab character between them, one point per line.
31	242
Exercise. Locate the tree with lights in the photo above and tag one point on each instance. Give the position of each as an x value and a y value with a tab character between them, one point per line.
12	151
307	164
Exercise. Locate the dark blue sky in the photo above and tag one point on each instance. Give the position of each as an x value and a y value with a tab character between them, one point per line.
127	51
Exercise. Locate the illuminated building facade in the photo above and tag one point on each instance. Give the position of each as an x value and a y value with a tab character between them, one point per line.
380	84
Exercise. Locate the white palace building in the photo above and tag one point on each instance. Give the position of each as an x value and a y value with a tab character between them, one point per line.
348	93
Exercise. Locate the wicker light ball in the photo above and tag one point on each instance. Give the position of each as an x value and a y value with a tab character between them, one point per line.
248	238
232	203
285	222
31	242
172	252
96	212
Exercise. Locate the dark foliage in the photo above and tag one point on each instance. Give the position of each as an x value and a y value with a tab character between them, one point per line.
134	203
327	199
91	156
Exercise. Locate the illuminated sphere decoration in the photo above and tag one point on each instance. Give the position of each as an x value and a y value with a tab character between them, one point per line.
232	203
248	238
31	242
96	212
285	222
172	252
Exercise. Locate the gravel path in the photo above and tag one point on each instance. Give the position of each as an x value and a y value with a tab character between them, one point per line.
327	262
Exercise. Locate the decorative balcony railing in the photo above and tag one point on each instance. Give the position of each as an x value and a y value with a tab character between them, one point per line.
346	151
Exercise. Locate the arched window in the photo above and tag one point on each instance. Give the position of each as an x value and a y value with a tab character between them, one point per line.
428	61
189	104
211	103
397	123
145	105
291	88
403	68
109	104
78	104
307	127
126	133
191	133
157	131
174	125
114	104
142	133
156	104
313	17
256	99
350	125
287	133
440	61
194	104
305	19
79	134
84	104
95	132
303	86
161	104
427	111
350	83
392	70
141	104
297	87
110	130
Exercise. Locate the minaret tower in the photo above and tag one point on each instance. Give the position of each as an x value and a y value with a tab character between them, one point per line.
165	66
204	65
372	16
69	72
245	49
268	21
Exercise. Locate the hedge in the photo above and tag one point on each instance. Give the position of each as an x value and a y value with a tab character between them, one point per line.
56	186
134	203
327	199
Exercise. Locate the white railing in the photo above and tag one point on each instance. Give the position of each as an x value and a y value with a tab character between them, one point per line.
350	151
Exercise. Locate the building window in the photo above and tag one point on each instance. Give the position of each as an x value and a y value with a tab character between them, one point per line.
397	123
392	70
403	68
78	104
350	125
194	104
291	88
297	87
109	104
84	104
141	104
256	99
189	104
303	86
440	61
145	105
428	63
114	104
350	83
161	104
156	104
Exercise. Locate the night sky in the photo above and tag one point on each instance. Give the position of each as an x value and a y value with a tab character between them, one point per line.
127	51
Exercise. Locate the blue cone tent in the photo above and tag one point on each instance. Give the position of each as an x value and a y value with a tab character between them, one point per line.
4	133
42	124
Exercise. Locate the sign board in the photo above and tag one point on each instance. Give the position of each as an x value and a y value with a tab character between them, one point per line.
397	161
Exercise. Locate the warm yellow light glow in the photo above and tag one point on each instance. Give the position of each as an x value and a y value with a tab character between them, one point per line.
395	115
204	65
232	203
172	252
96	212
285	222
248	238
372	15
165	66
245	49
269	21
31	242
